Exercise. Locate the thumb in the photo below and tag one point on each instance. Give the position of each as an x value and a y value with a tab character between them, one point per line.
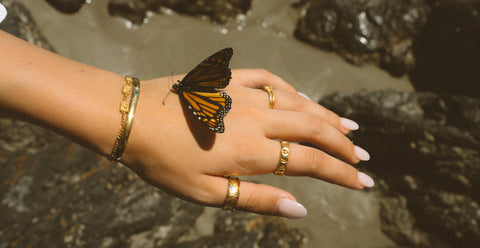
265	199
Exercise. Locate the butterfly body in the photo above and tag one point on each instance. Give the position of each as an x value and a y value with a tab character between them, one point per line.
201	89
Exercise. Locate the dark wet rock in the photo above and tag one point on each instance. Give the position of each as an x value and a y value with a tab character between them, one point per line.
66	196
248	230
17	135
19	22
447	52
218	11
426	160
67	6
362	31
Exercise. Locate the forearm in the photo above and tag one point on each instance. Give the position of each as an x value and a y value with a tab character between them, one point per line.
74	99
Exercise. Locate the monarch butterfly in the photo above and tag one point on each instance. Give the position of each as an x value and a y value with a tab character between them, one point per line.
200	90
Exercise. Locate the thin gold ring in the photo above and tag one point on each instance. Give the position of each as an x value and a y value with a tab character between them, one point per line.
271	97
283	162
233	193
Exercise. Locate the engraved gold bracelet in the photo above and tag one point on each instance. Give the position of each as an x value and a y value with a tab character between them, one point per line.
131	87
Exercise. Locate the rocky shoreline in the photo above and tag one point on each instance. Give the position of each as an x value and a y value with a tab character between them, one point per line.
427	163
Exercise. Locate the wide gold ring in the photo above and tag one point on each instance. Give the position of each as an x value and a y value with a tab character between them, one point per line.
283	162
271	97
233	193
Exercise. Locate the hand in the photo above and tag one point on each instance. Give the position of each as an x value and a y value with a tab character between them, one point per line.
167	147
176	153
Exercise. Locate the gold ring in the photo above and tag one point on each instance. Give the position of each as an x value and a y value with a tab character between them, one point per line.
271	97
233	193
282	164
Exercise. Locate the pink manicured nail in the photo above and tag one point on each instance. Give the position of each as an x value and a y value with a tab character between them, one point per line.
304	95
348	124
290	209
361	154
365	180
3	13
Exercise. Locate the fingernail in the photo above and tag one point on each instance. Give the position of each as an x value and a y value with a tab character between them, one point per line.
3	13
365	180
290	209
304	95
361	154
348	124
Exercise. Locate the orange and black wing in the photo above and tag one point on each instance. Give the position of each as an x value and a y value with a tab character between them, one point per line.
209	107
212	74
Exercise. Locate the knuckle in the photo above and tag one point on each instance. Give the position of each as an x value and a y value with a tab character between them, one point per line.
296	101
263	199
253	200
316	126
264	73
313	159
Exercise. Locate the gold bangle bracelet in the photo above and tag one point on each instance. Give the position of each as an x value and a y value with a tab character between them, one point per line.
128	113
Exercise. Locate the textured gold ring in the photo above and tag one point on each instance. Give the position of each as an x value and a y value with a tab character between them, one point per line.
271	97
233	193
282	164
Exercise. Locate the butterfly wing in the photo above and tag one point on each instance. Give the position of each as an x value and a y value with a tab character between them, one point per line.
212	74
209	107
200	90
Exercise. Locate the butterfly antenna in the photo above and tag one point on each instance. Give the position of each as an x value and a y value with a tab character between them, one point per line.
171	80
166	97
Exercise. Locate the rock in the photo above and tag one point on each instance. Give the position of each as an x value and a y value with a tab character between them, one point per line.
381	32
218	11
67	6
17	136
63	195
447	52
426	160
19	22
66	196
248	230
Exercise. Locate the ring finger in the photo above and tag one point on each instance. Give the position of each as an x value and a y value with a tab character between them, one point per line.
312	162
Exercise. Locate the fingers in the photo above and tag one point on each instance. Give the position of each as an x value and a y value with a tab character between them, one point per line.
264	199
312	162
257	78
294	102
257	198
303	127
286	97
304	160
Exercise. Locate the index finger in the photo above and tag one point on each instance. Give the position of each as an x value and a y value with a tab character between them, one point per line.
257	78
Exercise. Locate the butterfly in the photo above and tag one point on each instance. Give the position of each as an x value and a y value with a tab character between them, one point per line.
200	90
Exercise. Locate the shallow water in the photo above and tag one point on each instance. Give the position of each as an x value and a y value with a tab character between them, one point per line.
263	38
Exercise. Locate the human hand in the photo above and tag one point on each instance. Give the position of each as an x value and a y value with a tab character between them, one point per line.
176	153
170	149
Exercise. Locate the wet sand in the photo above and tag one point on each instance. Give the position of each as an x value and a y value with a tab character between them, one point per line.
169	43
